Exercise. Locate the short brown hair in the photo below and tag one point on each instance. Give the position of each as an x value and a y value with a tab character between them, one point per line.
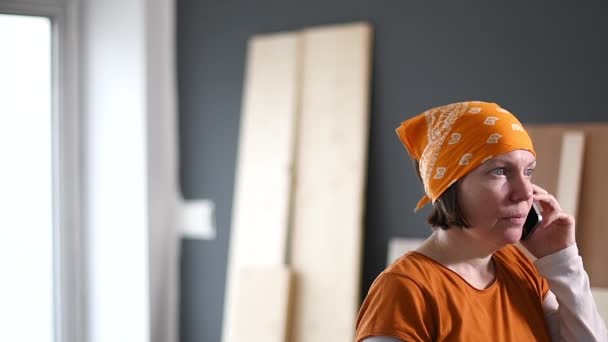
446	211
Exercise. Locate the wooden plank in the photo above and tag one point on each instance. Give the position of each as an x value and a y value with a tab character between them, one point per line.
262	304
591	227
547	142
325	250
570	170
601	300
397	247
260	214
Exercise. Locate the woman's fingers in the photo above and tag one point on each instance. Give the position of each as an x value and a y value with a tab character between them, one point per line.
556	231
547	201
556	217
538	190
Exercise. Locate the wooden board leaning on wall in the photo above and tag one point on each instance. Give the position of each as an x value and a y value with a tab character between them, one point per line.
592	217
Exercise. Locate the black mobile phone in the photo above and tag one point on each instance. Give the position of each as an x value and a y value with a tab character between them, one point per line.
532	221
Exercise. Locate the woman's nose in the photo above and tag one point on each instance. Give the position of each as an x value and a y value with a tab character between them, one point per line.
521	189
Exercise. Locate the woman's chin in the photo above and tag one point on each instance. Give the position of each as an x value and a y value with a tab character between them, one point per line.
512	235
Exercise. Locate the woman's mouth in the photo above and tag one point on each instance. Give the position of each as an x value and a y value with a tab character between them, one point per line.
516	220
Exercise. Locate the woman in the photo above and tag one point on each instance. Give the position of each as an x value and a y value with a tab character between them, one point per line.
468	281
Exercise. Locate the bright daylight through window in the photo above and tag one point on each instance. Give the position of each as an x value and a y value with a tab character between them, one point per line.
26	231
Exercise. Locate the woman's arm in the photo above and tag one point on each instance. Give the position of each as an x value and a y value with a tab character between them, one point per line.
569	307
554	244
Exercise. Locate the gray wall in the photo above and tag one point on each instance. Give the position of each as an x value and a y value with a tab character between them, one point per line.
545	63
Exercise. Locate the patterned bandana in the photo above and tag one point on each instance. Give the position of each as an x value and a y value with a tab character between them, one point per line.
452	140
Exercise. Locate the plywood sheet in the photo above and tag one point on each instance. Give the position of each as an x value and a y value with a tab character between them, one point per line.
592	217
601	300
262	304
325	251
265	161
570	170
547	143
399	246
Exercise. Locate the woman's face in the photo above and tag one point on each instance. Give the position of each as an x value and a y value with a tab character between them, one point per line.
495	197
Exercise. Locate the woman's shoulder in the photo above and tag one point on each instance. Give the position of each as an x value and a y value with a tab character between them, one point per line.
404	277
413	269
398	303
411	263
513	255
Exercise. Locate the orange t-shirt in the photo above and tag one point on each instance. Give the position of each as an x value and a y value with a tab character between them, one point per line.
418	299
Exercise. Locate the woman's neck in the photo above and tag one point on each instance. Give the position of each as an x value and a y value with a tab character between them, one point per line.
457	251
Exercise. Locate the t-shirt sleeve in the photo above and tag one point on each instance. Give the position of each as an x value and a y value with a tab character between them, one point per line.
396	306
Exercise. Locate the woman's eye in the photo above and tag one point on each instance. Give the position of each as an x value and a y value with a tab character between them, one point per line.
499	171
529	172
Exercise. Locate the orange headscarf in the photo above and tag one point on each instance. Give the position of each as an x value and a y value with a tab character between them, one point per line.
452	140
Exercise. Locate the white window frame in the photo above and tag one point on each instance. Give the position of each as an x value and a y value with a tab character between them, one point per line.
69	300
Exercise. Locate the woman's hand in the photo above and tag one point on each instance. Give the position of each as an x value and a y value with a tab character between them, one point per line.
555	232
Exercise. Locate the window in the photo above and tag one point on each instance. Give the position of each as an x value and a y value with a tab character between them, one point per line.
26	180
41	254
